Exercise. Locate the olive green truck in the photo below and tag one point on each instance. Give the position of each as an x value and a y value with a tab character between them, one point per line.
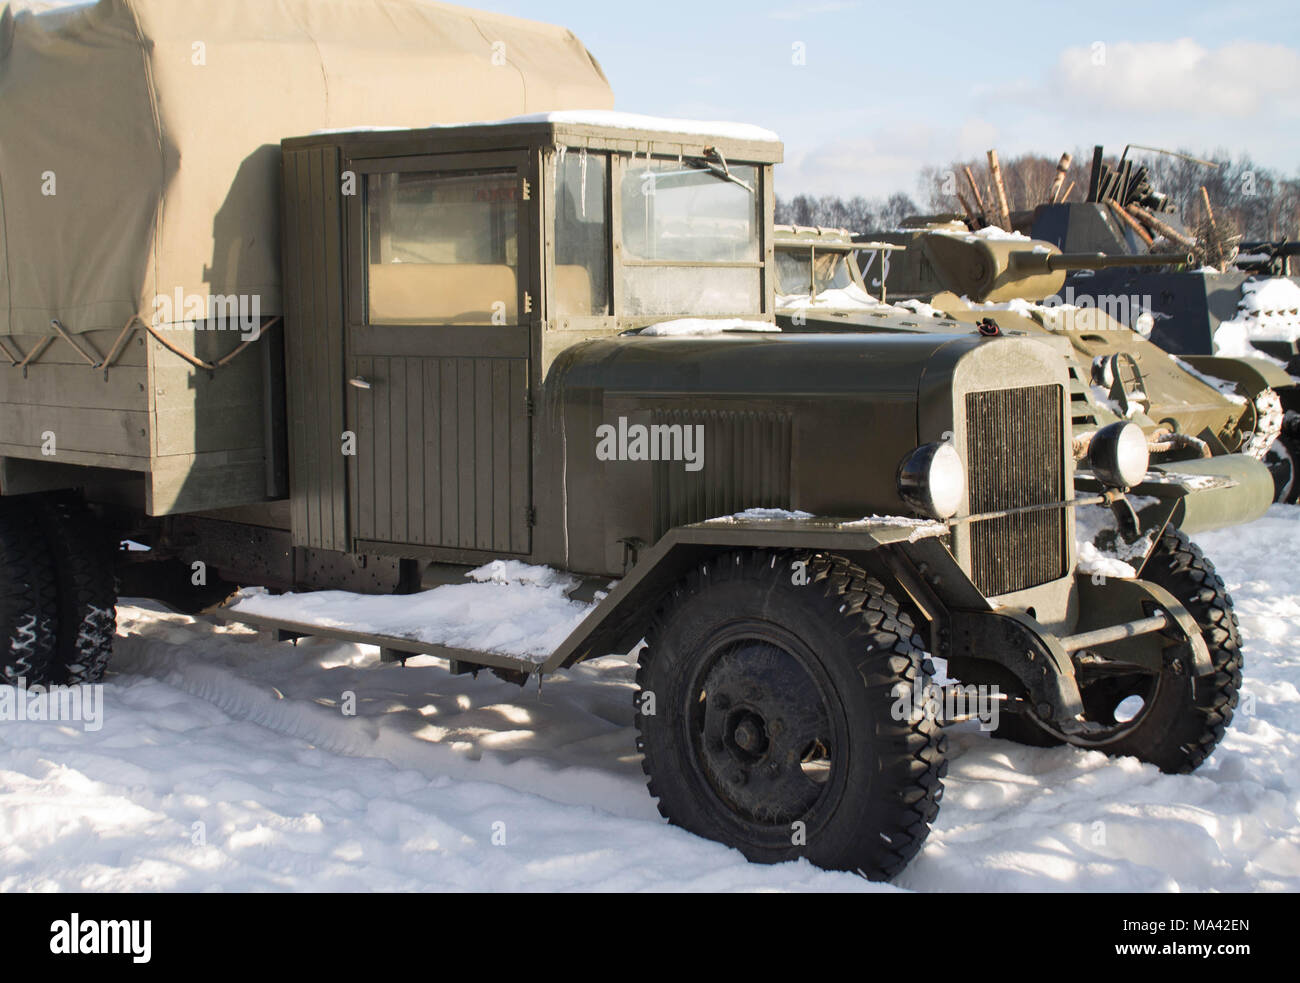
445	328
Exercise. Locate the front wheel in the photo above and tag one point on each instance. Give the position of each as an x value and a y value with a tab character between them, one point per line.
1169	719
769	695
1283	460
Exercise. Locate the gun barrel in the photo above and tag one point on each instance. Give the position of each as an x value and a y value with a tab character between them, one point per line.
1277	249
1028	261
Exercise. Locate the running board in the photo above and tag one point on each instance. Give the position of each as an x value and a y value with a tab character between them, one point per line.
459	658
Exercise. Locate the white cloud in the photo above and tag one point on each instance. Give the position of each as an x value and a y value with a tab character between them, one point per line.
1239	78
881	162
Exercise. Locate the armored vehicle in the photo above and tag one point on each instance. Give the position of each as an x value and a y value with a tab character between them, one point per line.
1199	311
549	340
1190	406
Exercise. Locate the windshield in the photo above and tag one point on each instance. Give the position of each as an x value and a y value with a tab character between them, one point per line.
677	212
830	271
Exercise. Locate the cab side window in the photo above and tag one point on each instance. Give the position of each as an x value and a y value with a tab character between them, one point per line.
581	233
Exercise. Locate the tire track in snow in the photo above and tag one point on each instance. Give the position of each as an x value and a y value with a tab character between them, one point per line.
146	653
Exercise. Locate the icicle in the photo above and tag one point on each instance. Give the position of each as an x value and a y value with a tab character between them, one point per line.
582	180
557	162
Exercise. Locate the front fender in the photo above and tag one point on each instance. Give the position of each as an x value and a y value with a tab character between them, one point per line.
619	621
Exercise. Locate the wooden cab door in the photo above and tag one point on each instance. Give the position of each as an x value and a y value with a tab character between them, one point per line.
441	272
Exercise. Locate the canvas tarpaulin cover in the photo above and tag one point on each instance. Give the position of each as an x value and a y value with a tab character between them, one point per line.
139	139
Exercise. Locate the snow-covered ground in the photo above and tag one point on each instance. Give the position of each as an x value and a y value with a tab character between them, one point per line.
227	763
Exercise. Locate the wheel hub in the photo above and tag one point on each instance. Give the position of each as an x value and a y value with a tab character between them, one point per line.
763	737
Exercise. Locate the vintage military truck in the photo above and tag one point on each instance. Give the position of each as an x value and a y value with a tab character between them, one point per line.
470	311
941	280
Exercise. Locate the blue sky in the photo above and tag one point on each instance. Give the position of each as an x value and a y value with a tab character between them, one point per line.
888	87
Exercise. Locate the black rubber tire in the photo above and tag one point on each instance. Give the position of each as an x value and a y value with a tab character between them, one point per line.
1190	715
1285	467
884	787
1187	716
82	554
28	597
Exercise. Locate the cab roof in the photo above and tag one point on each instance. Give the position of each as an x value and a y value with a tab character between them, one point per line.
592	129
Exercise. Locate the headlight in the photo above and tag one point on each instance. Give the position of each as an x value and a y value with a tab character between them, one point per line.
932	480
1118	455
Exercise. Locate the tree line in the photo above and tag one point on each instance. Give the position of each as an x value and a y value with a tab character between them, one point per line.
1255	201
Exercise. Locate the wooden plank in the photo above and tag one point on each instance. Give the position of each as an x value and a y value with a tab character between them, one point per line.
91	459
88	429
364	401
415	450
181	483
293	328
449	435
379	435
336	530
505	404
76	386
432	451
308	471
465	436
318	369
999	191
398	424
484	411
975	190
183	429
1062	169
521	460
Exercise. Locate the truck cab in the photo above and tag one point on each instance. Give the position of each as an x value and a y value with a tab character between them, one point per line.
430	295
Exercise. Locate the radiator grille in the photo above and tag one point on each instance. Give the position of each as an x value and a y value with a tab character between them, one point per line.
1015	457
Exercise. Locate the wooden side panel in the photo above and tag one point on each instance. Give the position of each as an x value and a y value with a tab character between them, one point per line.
442	454
93	419
313	284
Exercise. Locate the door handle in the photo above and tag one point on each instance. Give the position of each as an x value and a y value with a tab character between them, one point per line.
359	383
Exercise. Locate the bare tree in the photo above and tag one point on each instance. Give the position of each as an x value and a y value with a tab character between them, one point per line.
1255	201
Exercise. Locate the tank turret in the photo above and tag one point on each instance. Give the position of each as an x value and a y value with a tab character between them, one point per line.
996	270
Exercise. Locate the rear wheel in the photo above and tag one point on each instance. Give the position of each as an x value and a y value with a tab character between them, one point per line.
768	714
87	596
28	597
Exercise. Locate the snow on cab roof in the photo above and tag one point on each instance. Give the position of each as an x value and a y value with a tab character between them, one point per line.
609	119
